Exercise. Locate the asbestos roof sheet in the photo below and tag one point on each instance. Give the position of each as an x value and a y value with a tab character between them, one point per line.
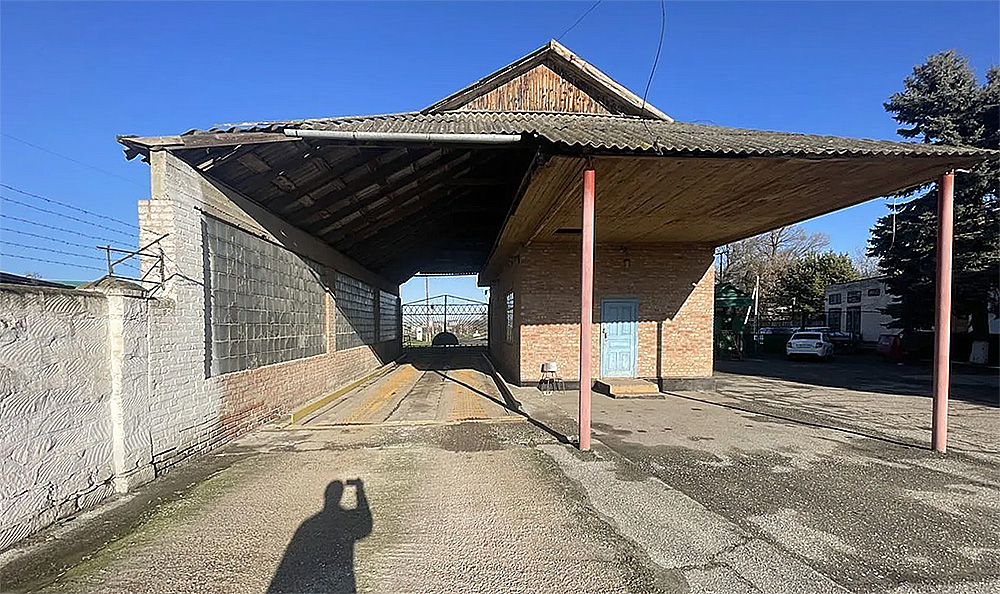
616	133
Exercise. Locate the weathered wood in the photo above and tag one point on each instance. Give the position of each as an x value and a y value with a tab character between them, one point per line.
697	200
386	192
500	90
539	89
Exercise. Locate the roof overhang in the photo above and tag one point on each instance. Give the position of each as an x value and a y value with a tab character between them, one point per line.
698	200
392	194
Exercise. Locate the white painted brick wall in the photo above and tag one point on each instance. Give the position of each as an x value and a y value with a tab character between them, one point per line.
55	427
98	389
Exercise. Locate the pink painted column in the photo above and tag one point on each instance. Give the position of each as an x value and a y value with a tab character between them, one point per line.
942	311
586	304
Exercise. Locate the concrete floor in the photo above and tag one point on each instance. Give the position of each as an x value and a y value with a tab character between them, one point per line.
429	385
697	492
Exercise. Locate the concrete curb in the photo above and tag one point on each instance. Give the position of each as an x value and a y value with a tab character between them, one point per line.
319	403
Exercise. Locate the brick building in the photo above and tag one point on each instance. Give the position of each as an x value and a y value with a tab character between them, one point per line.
279	248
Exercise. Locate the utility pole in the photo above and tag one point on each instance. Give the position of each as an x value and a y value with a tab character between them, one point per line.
427	306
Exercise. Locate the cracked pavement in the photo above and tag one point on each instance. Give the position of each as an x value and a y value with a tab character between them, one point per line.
697	492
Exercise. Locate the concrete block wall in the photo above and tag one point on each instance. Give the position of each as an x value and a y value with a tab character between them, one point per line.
196	410
55	422
674	285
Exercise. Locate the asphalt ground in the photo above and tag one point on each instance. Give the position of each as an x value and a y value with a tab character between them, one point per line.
695	492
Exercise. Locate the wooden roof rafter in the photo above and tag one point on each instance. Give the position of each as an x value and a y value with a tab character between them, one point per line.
387	187
359	176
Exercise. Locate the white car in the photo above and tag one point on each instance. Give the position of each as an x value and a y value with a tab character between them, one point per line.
809	344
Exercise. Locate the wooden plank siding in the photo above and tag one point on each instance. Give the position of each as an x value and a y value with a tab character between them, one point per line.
539	89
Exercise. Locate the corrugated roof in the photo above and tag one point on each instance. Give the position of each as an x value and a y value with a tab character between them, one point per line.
617	133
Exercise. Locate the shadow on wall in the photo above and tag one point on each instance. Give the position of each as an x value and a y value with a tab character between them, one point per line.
320	556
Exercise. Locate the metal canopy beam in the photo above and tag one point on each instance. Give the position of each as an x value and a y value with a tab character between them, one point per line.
405	137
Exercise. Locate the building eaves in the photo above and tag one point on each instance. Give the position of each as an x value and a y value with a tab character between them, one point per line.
584	132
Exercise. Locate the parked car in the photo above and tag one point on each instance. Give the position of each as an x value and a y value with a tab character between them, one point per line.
809	344
845	342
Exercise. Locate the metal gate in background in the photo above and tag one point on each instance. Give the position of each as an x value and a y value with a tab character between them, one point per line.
439	316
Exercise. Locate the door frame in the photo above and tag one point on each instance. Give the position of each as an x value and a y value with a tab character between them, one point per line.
634	372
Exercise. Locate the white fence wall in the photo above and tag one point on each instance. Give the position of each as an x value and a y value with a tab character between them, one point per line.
55	398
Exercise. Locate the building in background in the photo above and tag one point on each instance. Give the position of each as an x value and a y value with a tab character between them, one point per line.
858	307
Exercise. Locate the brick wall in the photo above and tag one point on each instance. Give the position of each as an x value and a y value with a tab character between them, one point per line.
55	422
194	409
102	389
672	283
505	354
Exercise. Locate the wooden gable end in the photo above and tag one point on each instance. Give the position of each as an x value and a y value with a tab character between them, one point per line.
545	88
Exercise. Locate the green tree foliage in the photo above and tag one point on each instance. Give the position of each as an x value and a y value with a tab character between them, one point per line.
943	102
761	261
804	282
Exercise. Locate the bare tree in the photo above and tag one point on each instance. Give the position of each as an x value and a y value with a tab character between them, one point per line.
867	266
766	257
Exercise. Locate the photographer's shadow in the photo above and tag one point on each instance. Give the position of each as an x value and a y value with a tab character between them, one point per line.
320	557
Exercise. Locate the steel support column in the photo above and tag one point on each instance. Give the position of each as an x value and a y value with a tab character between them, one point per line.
586	304
942	311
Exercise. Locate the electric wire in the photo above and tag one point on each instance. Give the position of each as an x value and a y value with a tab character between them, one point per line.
98	257
69	206
579	20
659	48
53	250
656	60
68	158
66	216
57	263
54	228
46	237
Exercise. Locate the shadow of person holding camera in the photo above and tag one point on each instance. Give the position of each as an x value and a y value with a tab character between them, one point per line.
320	556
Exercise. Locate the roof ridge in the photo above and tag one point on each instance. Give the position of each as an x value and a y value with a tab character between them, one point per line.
558	54
308	120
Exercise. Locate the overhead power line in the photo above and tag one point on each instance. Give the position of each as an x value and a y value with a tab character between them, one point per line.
50	238
54	228
66	216
659	48
52	250
656	60
57	263
68	158
579	20
62	253
69	206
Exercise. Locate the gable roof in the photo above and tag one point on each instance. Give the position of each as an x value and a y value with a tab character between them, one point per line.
553	56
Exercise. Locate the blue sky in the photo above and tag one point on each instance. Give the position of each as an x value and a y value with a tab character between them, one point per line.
73	75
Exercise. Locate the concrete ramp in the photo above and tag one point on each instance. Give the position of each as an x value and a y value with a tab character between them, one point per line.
430	385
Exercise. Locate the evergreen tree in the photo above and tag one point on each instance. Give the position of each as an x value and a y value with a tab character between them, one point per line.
942	102
803	285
